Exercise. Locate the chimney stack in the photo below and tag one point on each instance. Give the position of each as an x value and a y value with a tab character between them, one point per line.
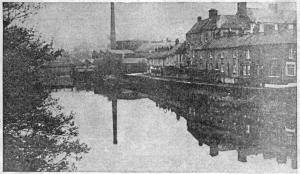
213	13
112	27
199	19
242	9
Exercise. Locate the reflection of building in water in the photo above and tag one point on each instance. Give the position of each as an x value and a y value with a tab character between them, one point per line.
242	126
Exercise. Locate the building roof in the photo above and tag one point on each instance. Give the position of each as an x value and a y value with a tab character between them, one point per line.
164	54
199	26
221	21
133	60
120	51
233	21
150	46
130	44
254	15
137	55
253	39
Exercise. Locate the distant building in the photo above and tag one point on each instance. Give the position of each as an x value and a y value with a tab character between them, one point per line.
154	46
132	62
129	44
170	56
135	54
134	65
120	53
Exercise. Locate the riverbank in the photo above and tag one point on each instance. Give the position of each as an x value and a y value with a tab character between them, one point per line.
225	85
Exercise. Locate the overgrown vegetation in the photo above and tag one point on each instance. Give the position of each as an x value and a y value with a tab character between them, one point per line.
37	136
109	64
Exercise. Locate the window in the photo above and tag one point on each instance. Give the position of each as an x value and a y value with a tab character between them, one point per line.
259	69
276	27
206	37
234	54
290	26
291	53
252	25
290	68
275	69
235	69
246	70
210	55
217	66
210	66
222	55
261	28
201	65
222	68
248	54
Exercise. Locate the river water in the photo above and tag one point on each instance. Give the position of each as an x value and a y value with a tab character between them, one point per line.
153	137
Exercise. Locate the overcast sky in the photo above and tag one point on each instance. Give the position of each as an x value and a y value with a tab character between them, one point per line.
73	24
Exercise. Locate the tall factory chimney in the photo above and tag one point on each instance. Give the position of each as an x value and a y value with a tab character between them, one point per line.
112	27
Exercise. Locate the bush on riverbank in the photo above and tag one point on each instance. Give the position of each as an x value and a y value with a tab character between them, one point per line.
109	65
37	136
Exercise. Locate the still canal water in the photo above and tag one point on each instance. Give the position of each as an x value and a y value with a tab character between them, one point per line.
154	135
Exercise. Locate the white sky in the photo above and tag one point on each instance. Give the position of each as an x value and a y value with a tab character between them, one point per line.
71	24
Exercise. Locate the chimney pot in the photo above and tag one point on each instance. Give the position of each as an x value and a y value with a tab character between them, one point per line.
199	18
213	13
242	9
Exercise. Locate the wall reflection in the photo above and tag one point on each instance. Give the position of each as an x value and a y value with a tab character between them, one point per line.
228	124
257	123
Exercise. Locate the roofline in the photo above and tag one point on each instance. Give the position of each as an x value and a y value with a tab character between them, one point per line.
212	30
243	46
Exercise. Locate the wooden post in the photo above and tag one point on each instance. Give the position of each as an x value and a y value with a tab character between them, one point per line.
178	117
294	163
242	156
114	114
213	150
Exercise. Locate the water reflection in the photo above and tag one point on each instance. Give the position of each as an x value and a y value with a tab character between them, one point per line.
114	115
223	123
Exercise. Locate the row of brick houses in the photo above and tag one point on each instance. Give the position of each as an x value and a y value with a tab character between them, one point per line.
259	58
254	46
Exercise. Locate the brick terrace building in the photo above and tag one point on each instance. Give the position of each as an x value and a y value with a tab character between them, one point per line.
255	50
268	58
